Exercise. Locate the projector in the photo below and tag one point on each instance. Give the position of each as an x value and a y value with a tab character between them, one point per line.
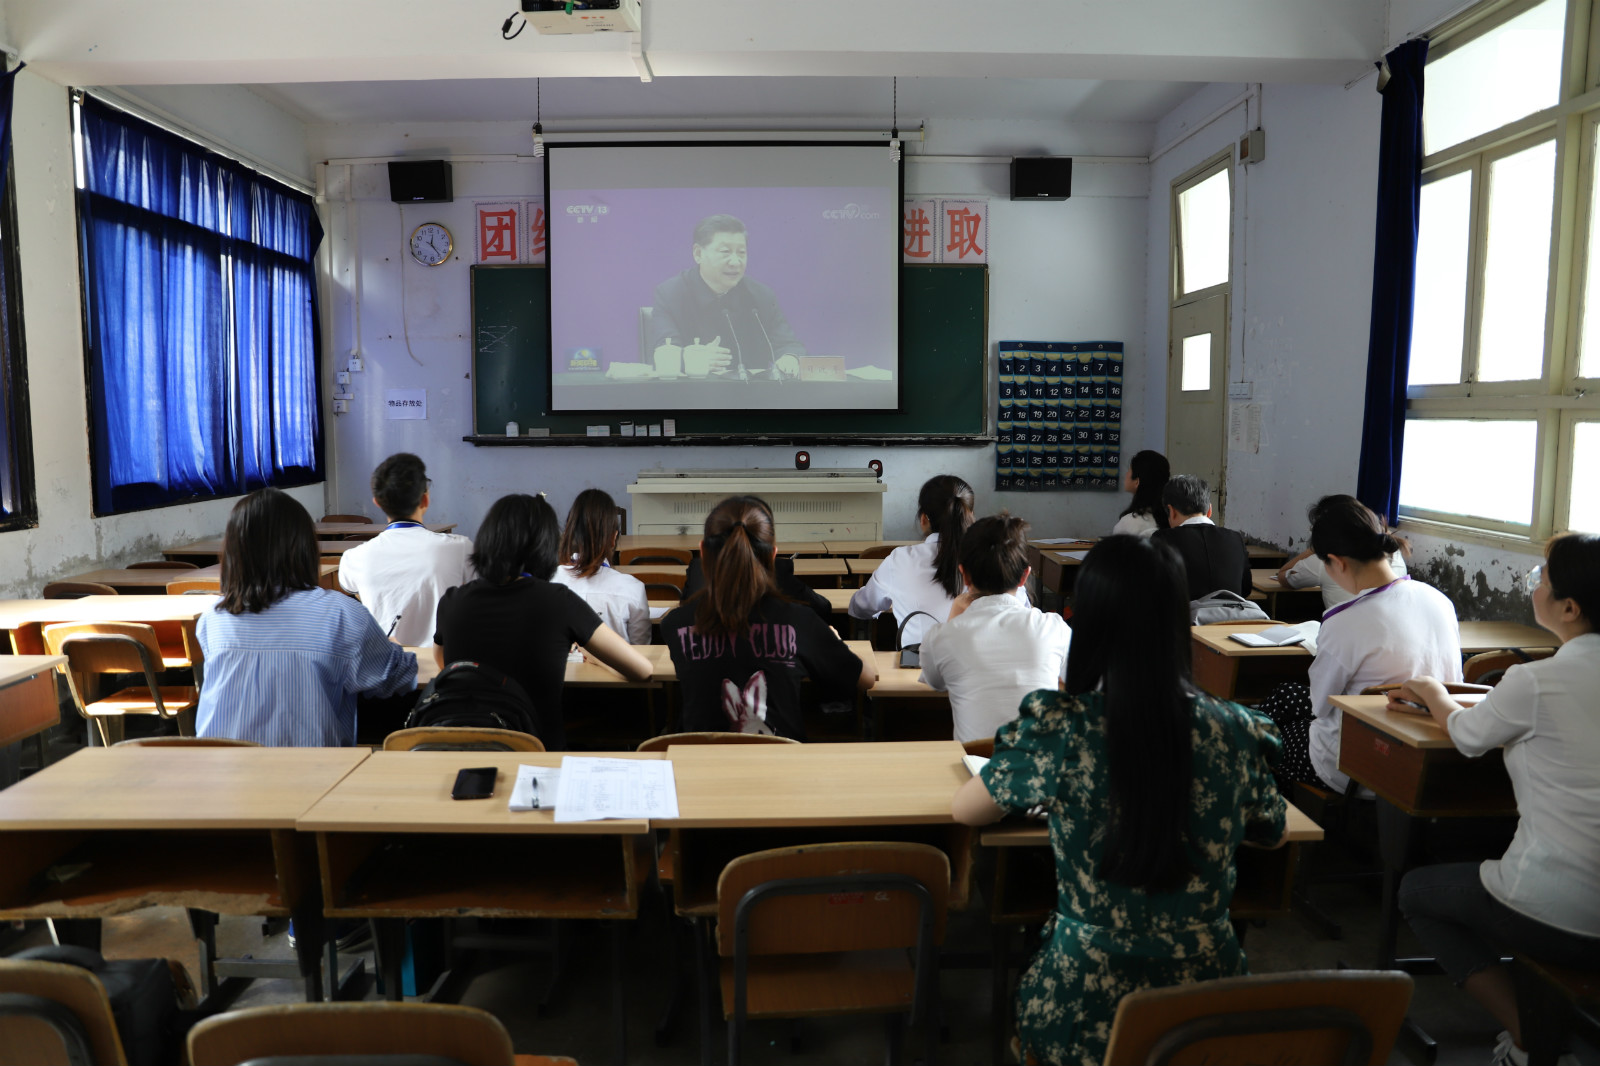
582	16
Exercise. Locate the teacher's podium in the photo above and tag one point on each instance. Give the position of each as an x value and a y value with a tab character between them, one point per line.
807	505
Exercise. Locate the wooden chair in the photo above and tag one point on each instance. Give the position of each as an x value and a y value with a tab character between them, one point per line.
1553	1003
1488	667
1312	1017
198	585
662	585
55	1014
467	1035
876	551
982	747
460	738
666	740
798	938
622	520
76	590
186	742
163	564
653	556
358	518
119	648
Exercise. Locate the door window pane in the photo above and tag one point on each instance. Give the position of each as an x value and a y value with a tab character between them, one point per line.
1517	265
1589	341
1196	374
1584	511
1439	313
1203	216
1483	469
1509	72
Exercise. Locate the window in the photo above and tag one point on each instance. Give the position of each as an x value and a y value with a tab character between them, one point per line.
1503	403
201	332
17	506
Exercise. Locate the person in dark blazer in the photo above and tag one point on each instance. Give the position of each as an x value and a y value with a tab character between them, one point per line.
1214	557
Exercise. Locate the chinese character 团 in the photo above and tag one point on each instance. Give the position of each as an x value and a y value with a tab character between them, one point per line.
497	234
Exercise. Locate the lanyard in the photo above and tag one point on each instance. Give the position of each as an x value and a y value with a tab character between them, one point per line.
1331	611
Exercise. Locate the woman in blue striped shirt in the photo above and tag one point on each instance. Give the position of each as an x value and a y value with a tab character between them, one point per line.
285	658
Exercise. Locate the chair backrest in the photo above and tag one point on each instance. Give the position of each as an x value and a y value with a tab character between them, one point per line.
468	1035
622	520
106	647
361	518
75	590
632	556
836	918
34	1040
1317	1016
163	564
185	742
460	738
662	585
666	740
876	551
983	747
184	586
1488	667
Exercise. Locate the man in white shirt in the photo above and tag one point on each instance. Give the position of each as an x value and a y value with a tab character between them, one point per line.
402	572
994	649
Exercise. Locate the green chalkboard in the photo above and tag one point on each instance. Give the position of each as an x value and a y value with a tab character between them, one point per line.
943	362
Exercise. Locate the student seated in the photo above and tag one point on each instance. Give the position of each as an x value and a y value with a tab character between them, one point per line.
1305	571
401	573
994	649
1213	557
1150	787
740	647
1392	628
587	541
515	619
789	586
1542	897
284	658
922	577
1148	472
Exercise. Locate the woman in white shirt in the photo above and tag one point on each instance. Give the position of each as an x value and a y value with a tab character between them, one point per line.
1390	629
1148	472
1542	896
587	541
922	577
1305	571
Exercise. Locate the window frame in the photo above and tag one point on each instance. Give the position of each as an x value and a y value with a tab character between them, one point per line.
14	368
1557	397
1222	162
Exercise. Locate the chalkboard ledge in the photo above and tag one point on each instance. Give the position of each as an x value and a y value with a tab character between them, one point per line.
579	440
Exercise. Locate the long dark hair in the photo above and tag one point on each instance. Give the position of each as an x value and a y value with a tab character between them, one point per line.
1572	567
947	501
1152	470
1343	525
736	553
1130	636
268	551
519	536
591	525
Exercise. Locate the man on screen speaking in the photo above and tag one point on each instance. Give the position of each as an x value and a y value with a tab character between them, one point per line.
723	322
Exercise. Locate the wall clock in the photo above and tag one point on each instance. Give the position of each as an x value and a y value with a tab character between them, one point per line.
431	244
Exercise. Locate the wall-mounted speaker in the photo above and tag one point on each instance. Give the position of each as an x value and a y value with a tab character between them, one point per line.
420	181
1039	178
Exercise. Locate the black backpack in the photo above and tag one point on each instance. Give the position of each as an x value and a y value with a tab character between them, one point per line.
144	1001
476	696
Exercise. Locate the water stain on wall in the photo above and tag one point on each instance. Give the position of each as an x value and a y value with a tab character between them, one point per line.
1475	599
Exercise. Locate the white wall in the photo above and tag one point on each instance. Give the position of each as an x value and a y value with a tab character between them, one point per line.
68	539
1304	223
1063	271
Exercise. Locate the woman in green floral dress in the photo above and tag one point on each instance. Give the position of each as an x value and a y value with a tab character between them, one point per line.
1150	787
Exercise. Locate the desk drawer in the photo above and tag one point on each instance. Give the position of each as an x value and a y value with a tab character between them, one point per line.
1434	782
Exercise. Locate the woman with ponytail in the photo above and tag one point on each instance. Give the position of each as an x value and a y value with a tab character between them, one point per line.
587	541
923	577
1148	472
740	647
1150	786
1392	628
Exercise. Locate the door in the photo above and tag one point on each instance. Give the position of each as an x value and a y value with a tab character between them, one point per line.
1197	392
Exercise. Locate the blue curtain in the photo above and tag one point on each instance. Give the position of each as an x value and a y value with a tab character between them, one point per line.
1394	275
200	279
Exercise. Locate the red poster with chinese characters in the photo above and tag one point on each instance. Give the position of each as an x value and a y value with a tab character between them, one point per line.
964	231
497	232
919	231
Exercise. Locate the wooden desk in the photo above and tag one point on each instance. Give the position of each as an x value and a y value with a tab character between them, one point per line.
1058	568
580	674
207	552
1285	603
209	828
327	574
131	582
172	617
691	542
1228	669
678	569
856	547
1261	555
1492	636
1417	774
861	568
27	706
820	572
368	530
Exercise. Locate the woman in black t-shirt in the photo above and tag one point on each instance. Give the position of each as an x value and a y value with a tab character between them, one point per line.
515	619
740	647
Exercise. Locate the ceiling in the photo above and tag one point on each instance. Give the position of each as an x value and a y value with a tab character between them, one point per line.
376	61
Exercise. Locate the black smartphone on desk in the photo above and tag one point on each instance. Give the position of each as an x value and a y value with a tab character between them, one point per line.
474	783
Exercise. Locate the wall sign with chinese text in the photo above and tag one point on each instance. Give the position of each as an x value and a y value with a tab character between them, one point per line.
944	230
405	403
1060	417
508	231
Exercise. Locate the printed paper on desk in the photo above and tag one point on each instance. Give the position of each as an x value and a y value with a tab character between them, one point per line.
535	788
593	789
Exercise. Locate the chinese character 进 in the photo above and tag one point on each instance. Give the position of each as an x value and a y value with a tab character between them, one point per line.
917	232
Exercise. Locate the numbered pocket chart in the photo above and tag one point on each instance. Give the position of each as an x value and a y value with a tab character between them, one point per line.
1060	418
